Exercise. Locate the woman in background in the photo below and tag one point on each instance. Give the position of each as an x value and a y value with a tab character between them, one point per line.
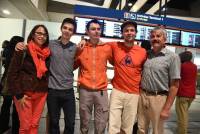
7	97
186	92
27	79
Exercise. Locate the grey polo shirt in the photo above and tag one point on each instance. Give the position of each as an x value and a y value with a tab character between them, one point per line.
61	65
159	70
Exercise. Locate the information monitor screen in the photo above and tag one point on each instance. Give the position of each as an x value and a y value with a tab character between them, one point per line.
143	32
190	39
173	36
82	22
112	29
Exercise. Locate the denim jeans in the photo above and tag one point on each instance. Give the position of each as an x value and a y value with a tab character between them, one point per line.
56	100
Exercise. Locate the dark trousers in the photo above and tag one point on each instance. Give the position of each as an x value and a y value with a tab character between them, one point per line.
56	100
135	128
5	116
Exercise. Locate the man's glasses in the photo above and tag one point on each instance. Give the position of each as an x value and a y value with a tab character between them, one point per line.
41	34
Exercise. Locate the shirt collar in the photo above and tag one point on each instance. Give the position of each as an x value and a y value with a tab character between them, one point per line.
161	53
90	44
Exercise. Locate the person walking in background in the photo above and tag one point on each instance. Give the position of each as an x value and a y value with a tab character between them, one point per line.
2	62
159	84
92	61
7	101
186	92
146	45
7	97
4	50
27	79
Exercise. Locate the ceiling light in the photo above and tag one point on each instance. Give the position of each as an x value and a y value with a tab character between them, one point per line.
130	4
164	9
5	11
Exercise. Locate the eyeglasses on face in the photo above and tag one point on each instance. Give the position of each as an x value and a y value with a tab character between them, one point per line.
41	34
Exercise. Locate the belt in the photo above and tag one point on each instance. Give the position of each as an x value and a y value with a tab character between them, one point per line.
155	92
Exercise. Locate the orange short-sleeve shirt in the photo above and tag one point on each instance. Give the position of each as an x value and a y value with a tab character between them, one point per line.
128	63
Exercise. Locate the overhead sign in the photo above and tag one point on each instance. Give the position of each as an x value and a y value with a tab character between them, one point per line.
141	17
120	14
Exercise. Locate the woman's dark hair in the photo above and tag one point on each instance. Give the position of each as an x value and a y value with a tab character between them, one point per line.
5	43
185	56
10	49
14	40
146	45
32	34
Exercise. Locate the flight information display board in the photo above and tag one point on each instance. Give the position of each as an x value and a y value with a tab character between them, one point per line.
190	39
143	32
81	24
173	36
112	29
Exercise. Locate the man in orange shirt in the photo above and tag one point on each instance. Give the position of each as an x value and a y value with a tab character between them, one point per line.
92	61
128	60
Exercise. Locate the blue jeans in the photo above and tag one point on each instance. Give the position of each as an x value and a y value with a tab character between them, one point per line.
56	100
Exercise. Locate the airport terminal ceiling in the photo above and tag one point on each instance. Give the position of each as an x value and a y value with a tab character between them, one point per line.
55	10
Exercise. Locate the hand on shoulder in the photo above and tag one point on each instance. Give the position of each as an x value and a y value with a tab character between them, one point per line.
20	46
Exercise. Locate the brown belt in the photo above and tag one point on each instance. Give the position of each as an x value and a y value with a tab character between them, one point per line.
155	92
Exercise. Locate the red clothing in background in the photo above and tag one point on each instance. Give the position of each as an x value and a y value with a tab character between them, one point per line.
187	86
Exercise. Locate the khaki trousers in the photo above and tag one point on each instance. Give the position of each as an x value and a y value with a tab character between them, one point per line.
149	110
182	107
98	100
123	110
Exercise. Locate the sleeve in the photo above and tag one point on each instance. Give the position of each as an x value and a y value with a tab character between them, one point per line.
13	77
110	52
175	67
77	59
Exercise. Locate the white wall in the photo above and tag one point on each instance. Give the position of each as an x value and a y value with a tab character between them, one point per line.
9	28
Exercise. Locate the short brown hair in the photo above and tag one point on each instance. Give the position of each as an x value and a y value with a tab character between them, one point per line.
185	56
70	21
133	23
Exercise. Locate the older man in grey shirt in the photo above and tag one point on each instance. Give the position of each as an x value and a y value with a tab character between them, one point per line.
160	80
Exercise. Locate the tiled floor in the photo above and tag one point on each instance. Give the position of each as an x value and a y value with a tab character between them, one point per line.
170	126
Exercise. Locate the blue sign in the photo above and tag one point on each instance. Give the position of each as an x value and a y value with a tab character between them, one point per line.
119	14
